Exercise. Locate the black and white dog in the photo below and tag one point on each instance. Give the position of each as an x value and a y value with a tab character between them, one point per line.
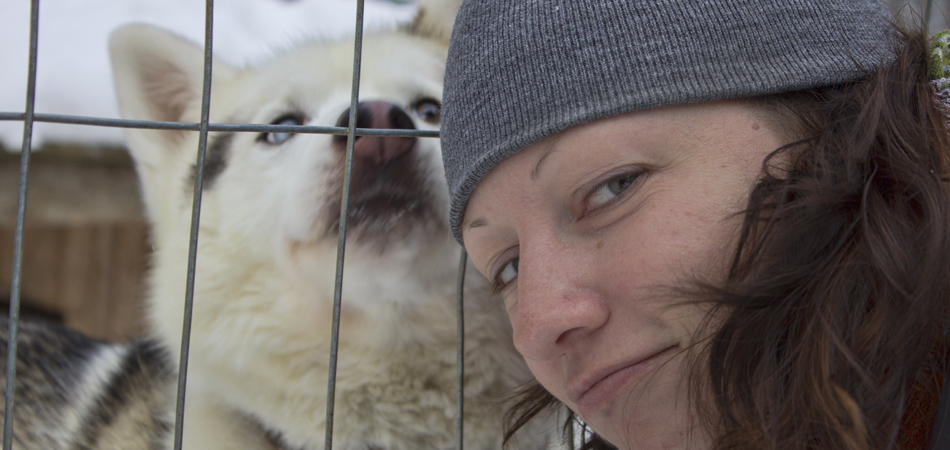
257	376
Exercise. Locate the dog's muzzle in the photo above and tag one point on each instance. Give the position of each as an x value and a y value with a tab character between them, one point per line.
388	193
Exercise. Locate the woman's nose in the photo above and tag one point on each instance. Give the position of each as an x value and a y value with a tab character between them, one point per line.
557	307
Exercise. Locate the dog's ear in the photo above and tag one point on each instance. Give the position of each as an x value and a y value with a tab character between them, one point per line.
434	19
159	76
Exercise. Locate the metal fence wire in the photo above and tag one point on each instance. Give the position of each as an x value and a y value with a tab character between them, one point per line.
28	117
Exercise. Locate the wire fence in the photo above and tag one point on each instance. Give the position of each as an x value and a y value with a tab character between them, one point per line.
203	127
25	151
927	9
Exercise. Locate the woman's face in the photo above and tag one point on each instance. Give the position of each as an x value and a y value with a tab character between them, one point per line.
585	232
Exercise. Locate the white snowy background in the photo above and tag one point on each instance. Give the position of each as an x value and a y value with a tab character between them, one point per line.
73	75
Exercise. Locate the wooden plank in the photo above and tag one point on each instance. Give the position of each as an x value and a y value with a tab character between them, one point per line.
39	279
130	261
69	188
86	259
90	275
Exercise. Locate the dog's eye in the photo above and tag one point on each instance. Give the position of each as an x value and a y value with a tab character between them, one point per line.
429	110
278	137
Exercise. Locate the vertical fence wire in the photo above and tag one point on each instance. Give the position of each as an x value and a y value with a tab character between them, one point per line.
25	151
341	243
195	219
460	394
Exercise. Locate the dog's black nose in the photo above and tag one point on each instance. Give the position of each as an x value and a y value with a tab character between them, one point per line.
377	150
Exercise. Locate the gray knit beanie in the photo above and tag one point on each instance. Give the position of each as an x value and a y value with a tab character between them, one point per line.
521	70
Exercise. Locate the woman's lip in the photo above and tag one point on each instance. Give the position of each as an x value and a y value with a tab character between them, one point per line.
602	386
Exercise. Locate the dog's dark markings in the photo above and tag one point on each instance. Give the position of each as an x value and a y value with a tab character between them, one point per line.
274	437
53	387
47	362
52	351
143	363
216	159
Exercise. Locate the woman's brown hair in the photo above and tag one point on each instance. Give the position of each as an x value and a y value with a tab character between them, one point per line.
831	328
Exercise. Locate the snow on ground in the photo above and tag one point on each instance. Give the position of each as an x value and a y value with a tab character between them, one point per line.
73	75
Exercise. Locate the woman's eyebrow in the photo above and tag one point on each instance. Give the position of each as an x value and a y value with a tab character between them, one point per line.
475	223
550	148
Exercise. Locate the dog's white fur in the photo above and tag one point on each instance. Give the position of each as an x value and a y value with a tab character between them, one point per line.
260	334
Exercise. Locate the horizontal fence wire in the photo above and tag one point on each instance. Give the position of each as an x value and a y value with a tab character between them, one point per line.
25	151
204	126
196	126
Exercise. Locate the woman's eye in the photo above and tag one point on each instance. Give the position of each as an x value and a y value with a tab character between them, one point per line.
277	137
506	275
429	110
610	189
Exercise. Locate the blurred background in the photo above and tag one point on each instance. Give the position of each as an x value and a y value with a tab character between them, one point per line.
85	242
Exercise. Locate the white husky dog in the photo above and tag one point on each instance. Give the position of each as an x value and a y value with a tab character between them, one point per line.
258	367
